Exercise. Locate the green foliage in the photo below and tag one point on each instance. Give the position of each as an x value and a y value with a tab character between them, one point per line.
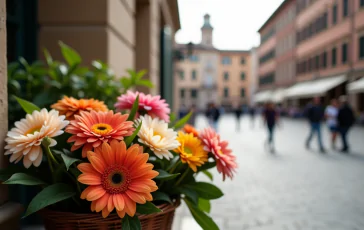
134	109
201	218
129	139
204	205
131	223
147	208
43	83
24	179
208	174
50	195
183	121
163	175
205	190
26	105
161	196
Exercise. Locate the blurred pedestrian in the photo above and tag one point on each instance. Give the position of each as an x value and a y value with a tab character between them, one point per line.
315	115
270	116
346	120
213	115
331	113
252	115
238	111
192	119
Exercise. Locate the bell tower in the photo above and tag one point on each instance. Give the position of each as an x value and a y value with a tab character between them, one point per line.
206	31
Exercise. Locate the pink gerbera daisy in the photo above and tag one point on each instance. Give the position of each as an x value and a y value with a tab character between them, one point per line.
154	106
91	129
225	160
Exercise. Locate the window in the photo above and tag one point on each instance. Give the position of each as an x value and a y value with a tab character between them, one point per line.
226	60
333	57
361	47
345	8
242	92
226	92
226	76
344	53
324	60
194	93
266	79
334	14
194	75
317	62
242	60
194	58
242	76
181	75
182	93
361	3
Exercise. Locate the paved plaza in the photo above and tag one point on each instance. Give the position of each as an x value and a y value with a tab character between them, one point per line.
294	189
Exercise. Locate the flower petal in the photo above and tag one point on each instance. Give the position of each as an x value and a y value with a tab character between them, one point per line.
89	179
119	202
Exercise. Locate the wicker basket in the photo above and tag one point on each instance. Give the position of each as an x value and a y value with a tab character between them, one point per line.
55	220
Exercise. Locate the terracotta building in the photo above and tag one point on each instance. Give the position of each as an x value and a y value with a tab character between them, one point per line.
329	53
135	34
204	74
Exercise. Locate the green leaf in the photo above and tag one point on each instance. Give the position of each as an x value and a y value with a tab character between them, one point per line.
126	82
190	193
204	205
48	57
161	196
130	139
24	179
163	175
68	161
146	83
134	109
27	106
50	195
208	174
183	121
147	208
206	166
24	63
70	55
130	223
140	74
172	117
205	190
201	218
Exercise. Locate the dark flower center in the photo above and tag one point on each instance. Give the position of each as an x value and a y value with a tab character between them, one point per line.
117	178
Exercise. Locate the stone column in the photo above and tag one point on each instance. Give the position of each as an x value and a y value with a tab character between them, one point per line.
9	212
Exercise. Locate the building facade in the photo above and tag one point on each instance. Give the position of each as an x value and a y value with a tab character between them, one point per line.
204	74
327	51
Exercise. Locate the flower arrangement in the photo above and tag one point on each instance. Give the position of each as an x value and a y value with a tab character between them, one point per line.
87	158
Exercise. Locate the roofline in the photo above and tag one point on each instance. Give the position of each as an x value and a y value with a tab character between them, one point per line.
235	51
284	3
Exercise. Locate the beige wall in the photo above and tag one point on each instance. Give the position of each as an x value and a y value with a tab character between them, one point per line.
234	84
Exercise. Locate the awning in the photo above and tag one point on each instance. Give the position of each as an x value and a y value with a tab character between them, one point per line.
278	95
356	86
263	96
314	88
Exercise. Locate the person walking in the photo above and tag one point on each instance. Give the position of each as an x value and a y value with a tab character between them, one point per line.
213	115
270	116
192	119
252	116
331	113
238	111
346	120
315	115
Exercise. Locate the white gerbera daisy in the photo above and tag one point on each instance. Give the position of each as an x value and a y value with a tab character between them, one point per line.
24	140
155	134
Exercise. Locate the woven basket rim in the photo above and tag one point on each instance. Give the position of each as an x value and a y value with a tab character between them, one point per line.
86	217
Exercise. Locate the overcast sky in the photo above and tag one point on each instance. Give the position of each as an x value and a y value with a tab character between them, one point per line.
235	22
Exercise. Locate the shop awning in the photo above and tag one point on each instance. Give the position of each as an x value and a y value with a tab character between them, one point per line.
356	86
263	96
278	95
314	88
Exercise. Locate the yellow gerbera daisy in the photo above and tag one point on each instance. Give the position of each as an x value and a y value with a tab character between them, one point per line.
191	150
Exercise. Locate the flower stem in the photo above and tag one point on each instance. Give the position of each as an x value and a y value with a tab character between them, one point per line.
182	177
174	166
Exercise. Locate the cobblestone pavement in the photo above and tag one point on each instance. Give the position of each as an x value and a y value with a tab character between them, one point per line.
294	189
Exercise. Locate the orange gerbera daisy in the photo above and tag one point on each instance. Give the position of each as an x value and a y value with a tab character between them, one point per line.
117	178
90	130
190	129
70	106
